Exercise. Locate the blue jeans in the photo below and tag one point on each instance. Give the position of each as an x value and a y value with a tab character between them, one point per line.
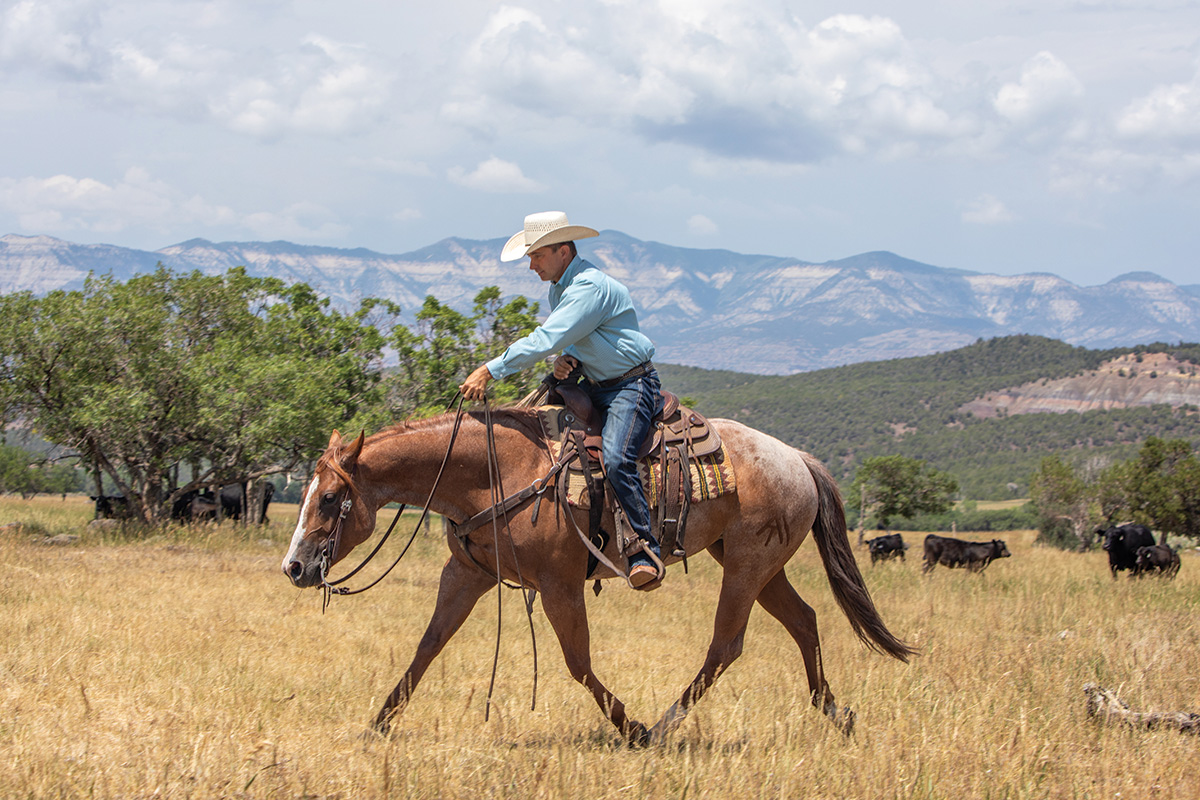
628	411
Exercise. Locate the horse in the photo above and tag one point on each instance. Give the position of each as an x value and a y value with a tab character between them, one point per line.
782	494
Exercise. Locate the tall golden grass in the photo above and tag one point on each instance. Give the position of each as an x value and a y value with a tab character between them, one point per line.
182	664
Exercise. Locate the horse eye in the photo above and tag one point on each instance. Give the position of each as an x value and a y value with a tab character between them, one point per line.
329	497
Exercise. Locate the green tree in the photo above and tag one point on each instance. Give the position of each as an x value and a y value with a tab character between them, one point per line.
436	356
898	486
1064	503
236	377
27	474
1159	488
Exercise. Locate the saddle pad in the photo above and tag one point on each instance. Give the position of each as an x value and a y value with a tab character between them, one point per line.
712	476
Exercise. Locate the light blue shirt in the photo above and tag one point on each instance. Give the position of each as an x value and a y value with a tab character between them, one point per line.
591	319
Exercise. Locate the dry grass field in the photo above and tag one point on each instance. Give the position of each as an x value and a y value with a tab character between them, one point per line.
184	665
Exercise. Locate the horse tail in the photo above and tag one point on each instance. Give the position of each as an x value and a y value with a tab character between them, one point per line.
829	530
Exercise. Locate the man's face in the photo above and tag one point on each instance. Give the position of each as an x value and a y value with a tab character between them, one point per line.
551	261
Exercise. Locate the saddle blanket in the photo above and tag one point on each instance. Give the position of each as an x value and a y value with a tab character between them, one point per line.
712	476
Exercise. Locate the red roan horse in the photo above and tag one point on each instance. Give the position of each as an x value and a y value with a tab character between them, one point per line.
782	494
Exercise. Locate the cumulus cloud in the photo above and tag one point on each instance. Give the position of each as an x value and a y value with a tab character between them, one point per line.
63	203
986	209
1169	114
324	87
55	37
316	85
297	222
497	176
701	225
732	79
1047	89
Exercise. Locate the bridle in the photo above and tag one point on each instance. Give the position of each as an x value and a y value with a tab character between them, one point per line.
330	548
499	509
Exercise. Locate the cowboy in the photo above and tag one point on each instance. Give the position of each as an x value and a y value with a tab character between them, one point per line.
593	323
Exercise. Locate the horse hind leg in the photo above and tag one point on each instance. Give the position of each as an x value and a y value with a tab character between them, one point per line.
460	588
782	602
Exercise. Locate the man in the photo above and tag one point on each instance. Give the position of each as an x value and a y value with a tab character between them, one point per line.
593	323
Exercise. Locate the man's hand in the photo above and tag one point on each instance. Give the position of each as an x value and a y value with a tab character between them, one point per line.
563	366
475	386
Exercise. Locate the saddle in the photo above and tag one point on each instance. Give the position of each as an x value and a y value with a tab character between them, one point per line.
679	438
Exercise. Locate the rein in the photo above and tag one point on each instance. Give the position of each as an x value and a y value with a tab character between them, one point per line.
332	587
499	509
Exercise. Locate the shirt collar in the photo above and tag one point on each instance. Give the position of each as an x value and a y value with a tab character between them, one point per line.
576	266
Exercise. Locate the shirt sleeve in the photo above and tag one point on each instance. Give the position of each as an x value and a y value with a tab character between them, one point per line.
578	313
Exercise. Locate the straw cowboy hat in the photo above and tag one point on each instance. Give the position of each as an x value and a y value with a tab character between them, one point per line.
541	229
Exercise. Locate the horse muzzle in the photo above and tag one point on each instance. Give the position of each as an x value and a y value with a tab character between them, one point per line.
303	575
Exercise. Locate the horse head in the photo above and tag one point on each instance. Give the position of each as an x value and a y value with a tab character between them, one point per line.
333	517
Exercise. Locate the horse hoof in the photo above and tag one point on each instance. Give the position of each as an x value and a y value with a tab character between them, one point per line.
844	720
637	735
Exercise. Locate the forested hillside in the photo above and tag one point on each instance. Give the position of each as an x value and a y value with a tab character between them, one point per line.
911	407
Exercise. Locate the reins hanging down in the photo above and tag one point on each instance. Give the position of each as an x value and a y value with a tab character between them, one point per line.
499	508
332	587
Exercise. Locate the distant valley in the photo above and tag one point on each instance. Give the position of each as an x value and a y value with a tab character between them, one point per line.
712	308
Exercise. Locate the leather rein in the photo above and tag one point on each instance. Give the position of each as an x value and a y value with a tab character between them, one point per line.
499	509
330	549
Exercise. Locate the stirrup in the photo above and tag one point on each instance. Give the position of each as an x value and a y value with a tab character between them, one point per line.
659	567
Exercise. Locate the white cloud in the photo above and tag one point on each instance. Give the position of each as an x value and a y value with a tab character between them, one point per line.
736	80
1047	89
56	37
701	225
63	203
1168	113
497	176
298	222
986	210
325	87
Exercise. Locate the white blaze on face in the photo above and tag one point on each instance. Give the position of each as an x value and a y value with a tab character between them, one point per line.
301	523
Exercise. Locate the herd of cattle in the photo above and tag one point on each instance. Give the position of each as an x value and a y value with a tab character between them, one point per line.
194	506
1129	547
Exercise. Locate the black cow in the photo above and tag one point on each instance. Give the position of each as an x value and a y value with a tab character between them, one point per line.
953	553
202	507
196	505
886	547
234	500
111	506
1122	542
1157	558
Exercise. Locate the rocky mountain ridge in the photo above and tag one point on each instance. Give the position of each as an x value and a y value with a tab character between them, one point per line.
711	308
1133	379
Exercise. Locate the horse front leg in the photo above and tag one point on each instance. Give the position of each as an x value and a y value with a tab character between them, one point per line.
565	608
460	588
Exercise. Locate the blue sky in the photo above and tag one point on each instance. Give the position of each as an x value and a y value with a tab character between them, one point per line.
1019	136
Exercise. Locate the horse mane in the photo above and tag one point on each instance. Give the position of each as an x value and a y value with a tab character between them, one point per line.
525	419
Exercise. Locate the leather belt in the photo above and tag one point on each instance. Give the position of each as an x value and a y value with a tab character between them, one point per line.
641	369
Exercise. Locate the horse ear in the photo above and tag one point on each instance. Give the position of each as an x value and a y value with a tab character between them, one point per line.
334	440
349	456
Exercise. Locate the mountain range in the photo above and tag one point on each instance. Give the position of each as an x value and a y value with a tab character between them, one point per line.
709	308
